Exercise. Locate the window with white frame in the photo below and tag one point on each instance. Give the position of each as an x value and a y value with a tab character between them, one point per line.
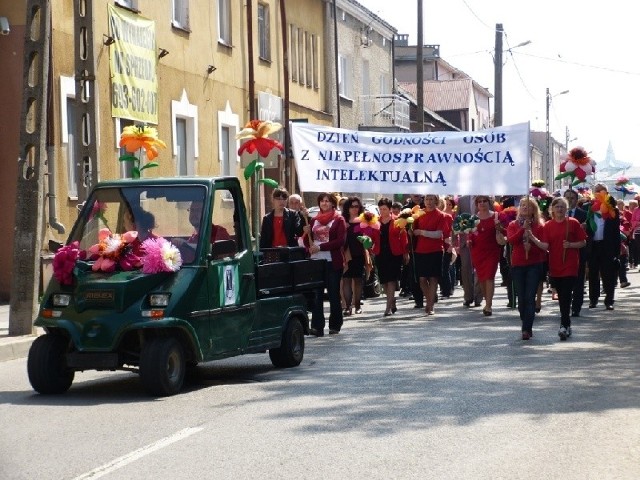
69	129
293	53
130	4
224	22
264	35
314	60
301	56
308	59
228	128
345	76
181	14
184	126
385	84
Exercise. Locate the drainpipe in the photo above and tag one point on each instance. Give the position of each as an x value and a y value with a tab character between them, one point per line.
51	170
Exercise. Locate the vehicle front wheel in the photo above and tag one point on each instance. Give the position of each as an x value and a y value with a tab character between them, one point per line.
291	350
46	365
162	366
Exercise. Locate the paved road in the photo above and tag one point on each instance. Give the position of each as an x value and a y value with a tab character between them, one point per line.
456	395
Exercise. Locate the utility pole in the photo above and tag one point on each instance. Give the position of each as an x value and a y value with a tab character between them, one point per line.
30	189
497	103
420	72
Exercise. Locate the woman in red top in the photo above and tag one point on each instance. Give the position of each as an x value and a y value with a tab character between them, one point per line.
430	228
527	260
563	237
485	245
390	251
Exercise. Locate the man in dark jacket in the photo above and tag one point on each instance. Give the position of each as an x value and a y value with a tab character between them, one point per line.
603	260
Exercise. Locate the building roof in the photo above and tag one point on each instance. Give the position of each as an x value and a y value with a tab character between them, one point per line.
411	96
444	95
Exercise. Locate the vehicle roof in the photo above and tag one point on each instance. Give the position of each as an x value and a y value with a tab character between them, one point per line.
130	182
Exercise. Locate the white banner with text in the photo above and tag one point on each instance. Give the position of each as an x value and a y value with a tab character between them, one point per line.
490	162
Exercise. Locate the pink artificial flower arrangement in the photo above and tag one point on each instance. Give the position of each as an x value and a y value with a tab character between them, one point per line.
114	250
64	262
160	256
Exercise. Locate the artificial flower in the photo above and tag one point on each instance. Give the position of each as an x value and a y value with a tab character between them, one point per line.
403	218
160	256
465	223
135	137
257	131
576	165
366	241
507	215
369	220
624	186
114	250
604	205
64	261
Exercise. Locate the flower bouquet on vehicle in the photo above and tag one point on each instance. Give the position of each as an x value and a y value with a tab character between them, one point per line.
117	252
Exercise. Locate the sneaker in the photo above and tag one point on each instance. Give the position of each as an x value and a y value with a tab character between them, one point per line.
562	333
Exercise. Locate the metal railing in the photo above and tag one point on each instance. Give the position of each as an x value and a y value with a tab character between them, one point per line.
385	111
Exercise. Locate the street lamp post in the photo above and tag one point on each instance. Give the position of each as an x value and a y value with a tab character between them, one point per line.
550	162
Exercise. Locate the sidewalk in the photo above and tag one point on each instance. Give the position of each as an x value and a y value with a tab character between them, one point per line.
12	348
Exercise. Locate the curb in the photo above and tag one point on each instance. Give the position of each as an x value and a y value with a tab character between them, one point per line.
13	348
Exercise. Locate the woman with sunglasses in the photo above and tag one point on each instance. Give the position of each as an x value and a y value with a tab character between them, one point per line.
282	226
485	245
355	257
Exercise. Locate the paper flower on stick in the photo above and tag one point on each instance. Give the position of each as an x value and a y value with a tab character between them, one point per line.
603	206
576	165
540	194
465	223
624	186
257	132
135	138
404	218
368	221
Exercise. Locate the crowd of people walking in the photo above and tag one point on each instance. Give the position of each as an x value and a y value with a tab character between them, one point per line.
420	245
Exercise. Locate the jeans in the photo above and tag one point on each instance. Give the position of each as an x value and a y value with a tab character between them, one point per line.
526	280
332	282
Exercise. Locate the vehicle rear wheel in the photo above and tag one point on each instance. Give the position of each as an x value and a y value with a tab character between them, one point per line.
46	366
162	366
291	350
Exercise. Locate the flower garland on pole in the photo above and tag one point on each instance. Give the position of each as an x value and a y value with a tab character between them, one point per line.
257	132
134	139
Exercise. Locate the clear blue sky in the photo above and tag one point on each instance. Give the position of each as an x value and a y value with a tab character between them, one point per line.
588	49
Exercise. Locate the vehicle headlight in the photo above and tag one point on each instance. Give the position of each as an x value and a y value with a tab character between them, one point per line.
61	299
159	299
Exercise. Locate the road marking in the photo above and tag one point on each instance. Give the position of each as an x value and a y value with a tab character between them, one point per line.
139	453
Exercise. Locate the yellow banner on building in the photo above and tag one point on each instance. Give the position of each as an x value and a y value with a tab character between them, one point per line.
133	62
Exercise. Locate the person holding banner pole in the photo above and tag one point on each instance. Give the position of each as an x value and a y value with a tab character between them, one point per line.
328	230
485	245
527	260
430	229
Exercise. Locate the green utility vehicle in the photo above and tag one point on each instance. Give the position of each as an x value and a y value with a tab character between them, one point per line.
112	312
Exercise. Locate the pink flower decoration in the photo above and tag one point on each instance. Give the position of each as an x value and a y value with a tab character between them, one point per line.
160	256
64	261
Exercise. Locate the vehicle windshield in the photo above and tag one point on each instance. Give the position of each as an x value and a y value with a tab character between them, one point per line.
172	212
